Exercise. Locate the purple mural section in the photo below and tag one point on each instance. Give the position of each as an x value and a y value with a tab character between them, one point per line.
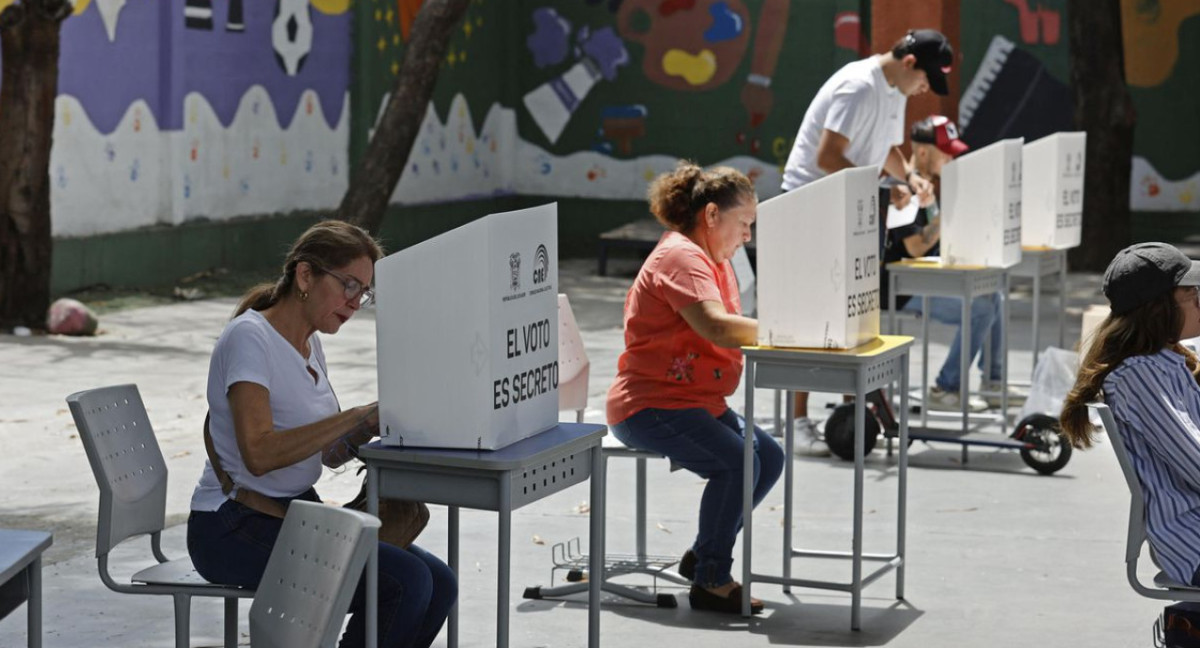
159	53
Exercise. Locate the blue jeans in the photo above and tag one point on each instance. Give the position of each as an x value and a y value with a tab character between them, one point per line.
416	590
712	448
985	312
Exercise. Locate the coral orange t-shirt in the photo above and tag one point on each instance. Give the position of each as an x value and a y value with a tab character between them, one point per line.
666	364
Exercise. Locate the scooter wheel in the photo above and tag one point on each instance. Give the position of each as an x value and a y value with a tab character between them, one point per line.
1051	450
839	432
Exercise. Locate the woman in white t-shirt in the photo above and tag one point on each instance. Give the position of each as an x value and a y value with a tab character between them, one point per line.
275	420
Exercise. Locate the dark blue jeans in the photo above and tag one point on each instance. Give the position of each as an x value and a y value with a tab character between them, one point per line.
416	590
712	448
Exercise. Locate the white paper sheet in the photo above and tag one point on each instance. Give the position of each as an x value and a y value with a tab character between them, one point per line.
901	217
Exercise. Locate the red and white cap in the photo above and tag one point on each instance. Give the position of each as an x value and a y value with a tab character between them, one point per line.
942	133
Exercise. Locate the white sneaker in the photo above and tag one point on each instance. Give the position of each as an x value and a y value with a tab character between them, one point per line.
948	401
992	394
808	441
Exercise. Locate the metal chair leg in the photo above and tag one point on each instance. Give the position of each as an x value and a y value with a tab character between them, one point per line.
183	620
231	622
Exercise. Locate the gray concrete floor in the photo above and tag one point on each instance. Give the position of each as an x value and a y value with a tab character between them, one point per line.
997	555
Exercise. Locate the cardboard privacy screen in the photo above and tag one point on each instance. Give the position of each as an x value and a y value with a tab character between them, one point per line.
818	263
981	207
1052	191
467	333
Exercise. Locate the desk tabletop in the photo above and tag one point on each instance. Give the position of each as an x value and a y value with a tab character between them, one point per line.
564	437
1042	249
937	266
882	345
18	548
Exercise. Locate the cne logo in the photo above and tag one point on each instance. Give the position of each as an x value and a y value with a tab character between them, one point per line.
541	265
514	266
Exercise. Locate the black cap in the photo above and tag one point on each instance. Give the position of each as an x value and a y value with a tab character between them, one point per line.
1144	272
934	56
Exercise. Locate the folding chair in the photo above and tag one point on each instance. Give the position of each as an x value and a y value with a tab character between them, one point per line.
132	477
311	576
1164	588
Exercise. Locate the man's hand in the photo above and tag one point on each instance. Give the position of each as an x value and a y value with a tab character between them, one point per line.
922	187
900	195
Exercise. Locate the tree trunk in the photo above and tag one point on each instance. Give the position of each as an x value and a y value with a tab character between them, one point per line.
375	179
29	39
1104	109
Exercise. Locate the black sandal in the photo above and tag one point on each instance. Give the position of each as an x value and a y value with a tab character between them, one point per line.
702	599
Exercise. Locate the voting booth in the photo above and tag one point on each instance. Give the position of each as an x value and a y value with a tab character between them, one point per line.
981	207
1052	191
818	263
467	333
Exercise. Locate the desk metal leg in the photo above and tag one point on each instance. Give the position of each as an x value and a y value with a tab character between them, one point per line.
860	424
964	362
901	508
924	360
1037	300
502	563
1062	301
596	547
1004	350
372	613
34	570
452	558
748	490
789	472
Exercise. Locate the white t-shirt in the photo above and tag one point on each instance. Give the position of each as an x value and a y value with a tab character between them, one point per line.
855	102
251	350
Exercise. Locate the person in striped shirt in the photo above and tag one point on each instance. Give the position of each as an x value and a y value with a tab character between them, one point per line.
1150	381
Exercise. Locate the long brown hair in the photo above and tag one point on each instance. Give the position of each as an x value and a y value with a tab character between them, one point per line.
676	197
1145	330
328	244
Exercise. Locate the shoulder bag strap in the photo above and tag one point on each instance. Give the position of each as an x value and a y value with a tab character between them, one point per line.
242	495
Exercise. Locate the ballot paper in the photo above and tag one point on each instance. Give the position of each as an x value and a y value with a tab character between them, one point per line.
901	217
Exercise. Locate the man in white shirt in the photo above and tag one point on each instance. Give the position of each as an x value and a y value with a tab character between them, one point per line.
857	119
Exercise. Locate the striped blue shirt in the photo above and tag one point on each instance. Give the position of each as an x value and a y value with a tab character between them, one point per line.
1157	402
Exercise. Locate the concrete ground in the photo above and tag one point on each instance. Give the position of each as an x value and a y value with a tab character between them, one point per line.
997	555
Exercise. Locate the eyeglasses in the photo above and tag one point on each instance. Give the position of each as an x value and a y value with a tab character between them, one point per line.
354	289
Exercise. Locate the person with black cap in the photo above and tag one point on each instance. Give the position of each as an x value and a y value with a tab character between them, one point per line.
857	119
1138	366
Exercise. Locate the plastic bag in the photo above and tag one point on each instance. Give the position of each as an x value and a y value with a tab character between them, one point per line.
1053	378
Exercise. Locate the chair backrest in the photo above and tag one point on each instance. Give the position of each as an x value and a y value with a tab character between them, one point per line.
126	462
573	365
1137	504
311	576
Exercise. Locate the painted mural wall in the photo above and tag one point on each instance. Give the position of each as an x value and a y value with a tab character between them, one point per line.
174	110
1016	52
592	98
171	110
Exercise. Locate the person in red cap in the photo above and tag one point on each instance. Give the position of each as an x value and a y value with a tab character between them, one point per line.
857	119
935	142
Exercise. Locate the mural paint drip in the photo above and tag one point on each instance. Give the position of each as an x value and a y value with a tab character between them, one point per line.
110	11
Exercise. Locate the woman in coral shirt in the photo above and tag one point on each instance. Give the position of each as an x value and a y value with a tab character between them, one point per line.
683	333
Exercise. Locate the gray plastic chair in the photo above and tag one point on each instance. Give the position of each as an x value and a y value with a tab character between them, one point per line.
311	576
132	477
1164	588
